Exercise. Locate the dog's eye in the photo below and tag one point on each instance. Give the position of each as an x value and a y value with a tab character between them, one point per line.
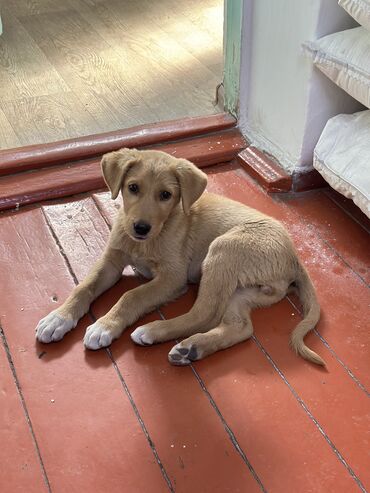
133	188
165	195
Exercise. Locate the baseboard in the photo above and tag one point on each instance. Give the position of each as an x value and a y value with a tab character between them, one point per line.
267	172
307	180
264	170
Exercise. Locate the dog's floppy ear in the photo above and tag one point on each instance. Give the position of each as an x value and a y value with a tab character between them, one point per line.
115	166
192	182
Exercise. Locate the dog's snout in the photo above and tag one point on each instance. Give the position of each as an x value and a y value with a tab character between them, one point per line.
142	228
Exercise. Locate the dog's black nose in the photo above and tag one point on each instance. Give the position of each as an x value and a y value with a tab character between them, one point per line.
142	228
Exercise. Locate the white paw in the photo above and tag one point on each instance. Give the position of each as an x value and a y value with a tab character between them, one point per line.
53	327
142	336
97	337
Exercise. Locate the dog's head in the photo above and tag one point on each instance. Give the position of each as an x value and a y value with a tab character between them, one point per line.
152	184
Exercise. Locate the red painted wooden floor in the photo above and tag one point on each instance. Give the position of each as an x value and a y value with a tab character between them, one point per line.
249	419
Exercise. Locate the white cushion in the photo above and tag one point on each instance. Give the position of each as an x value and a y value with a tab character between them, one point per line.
344	57
359	10
342	156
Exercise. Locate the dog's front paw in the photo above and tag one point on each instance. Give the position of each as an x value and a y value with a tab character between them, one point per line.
183	354
143	336
97	336
53	327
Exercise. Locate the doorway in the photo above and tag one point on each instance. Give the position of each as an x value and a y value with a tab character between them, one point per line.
75	68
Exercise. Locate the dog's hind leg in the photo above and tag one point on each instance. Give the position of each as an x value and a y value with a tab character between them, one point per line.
236	326
217	286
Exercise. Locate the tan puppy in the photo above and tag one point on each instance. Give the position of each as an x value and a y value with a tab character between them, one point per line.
174	234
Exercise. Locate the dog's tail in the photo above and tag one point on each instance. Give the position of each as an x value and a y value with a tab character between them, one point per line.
311	315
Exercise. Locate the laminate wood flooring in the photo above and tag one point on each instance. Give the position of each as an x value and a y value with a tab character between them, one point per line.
80	67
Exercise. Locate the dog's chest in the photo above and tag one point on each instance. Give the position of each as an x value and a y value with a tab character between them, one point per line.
143	266
144	271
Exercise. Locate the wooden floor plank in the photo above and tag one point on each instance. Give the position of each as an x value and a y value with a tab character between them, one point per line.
8	137
69	393
200	43
21	469
19	77
35	7
171	66
179	417
345	327
326	393
349	207
107	206
79	55
208	18
48	118
237	370
81	232
275	433
347	237
248	365
175	411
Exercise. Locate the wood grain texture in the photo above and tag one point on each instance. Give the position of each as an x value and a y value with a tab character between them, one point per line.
207	18
59	116
8	136
37	156
204	44
127	63
169	75
25	71
35	7
79	55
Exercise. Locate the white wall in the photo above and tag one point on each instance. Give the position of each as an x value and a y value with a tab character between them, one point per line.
284	101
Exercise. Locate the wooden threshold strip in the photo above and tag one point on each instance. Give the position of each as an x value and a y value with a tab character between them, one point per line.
64	151
76	177
264	170
273	178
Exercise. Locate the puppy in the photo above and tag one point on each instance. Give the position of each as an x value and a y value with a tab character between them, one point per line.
173	233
